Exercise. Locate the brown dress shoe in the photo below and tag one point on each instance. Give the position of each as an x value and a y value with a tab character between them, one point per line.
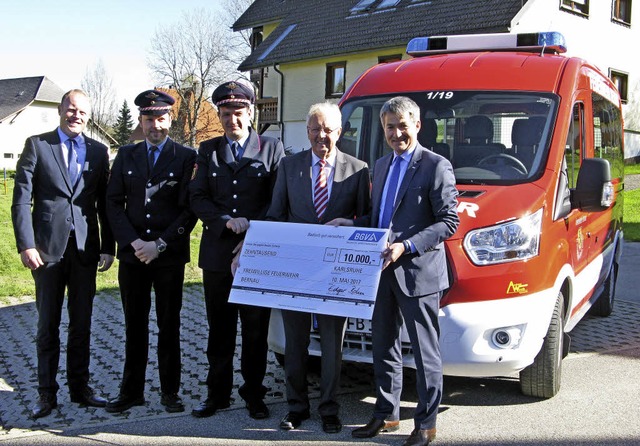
374	427
420	437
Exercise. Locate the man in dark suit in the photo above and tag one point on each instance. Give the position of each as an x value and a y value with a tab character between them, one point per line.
59	196
414	195
232	184
148	207
315	186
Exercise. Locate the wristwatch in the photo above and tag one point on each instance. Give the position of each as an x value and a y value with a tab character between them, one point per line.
160	245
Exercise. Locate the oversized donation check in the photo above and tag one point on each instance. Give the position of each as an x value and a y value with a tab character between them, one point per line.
311	268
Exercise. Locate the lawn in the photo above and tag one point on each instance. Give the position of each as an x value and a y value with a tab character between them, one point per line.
15	280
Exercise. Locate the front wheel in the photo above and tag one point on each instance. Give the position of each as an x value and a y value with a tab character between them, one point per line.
542	378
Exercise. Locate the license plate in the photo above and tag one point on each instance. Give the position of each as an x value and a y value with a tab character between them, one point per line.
356	325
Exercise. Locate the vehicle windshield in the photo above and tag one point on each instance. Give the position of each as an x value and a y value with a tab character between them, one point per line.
489	137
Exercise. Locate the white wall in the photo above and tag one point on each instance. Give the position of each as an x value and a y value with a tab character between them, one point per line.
35	119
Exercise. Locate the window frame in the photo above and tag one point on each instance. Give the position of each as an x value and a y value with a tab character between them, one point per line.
622	85
616	16
579	7
330	79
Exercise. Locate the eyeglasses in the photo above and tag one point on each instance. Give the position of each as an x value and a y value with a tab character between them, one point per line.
316	130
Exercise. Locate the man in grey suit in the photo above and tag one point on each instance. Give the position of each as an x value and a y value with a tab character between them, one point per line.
59	196
315	186
414	195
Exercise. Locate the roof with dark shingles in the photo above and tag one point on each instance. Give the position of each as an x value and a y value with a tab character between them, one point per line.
329	28
18	93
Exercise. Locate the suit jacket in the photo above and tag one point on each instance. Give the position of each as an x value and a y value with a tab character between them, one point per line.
46	205
425	213
223	188
152	205
293	196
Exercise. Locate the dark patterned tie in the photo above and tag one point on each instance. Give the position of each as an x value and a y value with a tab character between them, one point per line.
234	149
73	161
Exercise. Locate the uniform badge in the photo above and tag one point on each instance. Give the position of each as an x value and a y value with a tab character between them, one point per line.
232	85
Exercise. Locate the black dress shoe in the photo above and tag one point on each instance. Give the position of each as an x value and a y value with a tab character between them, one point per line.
87	397
124	402
208	407
331	424
374	427
420	437
258	410
172	402
292	420
44	406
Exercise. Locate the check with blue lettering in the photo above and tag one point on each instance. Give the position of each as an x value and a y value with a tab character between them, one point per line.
311	268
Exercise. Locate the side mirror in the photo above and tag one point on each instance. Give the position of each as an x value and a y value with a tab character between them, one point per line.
594	190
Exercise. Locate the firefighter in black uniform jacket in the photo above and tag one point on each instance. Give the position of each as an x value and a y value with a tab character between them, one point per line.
234	178
148	208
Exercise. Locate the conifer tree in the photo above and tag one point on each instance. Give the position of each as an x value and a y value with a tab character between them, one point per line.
124	125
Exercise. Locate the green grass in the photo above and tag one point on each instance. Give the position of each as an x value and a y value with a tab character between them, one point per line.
15	280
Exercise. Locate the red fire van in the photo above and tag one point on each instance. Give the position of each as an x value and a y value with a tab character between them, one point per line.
535	140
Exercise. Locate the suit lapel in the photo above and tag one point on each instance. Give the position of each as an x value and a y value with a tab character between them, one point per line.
56	149
378	186
408	176
139	154
303	176
338	180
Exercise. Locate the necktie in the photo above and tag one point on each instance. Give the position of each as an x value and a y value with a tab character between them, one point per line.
234	150
320	191
390	198
73	161
152	157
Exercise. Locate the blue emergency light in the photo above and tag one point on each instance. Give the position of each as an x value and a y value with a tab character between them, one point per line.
545	41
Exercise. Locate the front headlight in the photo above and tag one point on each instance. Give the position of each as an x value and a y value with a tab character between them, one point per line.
506	242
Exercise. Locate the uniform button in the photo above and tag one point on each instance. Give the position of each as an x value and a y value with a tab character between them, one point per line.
234	211
148	184
129	173
260	174
148	215
148	200
214	174
170	174
235	181
235	196
148	231
180	230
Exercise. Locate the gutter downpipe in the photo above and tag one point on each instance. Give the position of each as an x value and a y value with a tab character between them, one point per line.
280	121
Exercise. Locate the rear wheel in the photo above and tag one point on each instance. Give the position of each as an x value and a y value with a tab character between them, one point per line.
542	378
604	305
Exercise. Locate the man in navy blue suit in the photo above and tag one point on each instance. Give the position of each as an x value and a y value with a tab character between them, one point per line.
59	196
414	195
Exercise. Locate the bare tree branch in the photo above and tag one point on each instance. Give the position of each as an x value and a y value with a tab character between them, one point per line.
99	86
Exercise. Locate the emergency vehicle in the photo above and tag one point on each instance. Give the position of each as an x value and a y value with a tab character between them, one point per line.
535	139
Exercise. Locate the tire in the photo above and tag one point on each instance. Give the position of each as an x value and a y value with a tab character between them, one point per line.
603	307
542	378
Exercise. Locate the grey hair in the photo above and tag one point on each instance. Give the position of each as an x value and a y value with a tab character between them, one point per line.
329	110
399	106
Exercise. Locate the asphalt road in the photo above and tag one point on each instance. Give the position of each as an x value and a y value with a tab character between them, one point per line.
599	403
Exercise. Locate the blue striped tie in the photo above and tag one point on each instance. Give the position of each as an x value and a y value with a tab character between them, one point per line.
390	198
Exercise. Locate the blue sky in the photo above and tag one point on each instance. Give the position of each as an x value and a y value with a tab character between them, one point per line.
61	40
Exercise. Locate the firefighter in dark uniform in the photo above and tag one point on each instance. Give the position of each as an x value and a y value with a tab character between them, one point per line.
232	185
148	208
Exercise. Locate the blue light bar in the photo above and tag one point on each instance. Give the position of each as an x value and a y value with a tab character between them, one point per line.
545	41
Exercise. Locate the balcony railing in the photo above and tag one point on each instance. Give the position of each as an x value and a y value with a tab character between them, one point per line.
267	110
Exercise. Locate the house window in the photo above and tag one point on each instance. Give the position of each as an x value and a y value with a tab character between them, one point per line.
621	80
256	37
335	84
577	6
390	58
621	11
8	155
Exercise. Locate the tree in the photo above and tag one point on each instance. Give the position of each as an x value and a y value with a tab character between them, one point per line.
99	86
123	127
193	56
